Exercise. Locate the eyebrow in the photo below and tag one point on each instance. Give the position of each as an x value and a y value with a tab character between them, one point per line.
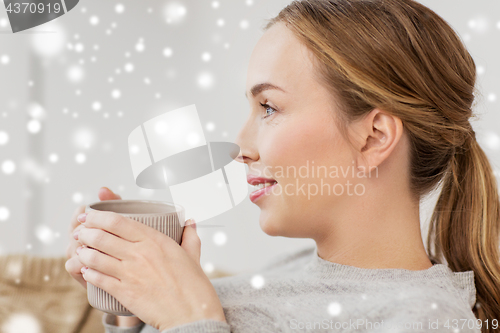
258	88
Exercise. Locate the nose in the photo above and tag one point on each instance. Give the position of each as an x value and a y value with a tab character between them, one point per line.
247	141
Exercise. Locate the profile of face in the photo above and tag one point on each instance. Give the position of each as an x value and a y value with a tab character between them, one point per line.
295	128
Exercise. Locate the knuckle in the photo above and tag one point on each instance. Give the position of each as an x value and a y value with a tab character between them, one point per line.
110	284
92	257
97	238
128	295
137	255
82	235
97	278
79	229
157	236
165	246
100	281
114	221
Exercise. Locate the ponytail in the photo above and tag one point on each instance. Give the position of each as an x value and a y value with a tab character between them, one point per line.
465	227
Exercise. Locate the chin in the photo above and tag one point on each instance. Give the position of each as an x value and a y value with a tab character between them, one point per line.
269	225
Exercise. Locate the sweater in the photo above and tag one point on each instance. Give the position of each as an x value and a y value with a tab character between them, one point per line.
301	292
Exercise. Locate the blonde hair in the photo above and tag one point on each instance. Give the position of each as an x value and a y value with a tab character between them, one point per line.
400	56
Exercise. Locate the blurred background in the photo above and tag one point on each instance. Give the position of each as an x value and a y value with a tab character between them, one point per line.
73	89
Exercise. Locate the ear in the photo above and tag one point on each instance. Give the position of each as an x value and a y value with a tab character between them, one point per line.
377	135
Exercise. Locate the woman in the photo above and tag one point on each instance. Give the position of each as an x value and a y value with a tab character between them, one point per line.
378	93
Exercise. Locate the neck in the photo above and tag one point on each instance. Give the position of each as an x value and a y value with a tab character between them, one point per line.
375	231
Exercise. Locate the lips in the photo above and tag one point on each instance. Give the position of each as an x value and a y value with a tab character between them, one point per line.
254	180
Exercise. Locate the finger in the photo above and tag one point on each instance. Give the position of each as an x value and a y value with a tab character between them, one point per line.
105	282
121	226
77	231
103	194
70	249
99	261
191	242
74	222
73	266
106	194
104	241
73	242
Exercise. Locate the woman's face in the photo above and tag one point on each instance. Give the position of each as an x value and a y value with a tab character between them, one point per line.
300	133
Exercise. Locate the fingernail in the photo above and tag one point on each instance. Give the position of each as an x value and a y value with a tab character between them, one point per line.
78	249
192	223
81	218
83	270
75	234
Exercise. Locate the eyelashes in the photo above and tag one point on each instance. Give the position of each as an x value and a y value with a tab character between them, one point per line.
266	107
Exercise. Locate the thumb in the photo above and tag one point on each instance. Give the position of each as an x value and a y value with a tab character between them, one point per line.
106	194
191	242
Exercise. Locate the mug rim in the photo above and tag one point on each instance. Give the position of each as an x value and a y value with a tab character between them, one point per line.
178	208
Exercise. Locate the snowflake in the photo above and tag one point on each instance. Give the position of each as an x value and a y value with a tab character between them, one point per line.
257	281
334	309
220	238
22	323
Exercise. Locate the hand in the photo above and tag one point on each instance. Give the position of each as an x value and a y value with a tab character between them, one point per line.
73	265
158	280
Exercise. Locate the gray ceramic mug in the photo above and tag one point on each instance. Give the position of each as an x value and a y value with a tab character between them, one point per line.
165	217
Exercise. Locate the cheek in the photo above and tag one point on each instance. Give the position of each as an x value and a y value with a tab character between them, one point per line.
297	141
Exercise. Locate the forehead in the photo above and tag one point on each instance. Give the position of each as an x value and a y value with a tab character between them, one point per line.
281	59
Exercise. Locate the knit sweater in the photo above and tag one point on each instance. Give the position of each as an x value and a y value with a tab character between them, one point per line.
301	292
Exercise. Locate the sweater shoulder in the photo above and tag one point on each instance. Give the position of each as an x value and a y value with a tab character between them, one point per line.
428	305
277	266
295	258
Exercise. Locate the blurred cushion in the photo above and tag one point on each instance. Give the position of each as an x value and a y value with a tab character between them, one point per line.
37	294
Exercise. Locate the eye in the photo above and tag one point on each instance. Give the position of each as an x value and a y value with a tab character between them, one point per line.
267	107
